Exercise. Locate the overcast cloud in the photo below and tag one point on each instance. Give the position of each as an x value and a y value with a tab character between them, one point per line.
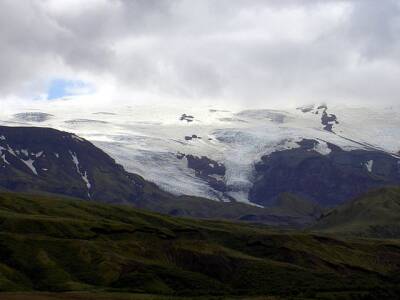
249	52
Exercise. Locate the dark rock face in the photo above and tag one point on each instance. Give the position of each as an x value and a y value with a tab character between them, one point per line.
328	120
186	118
207	169
43	159
192	137
325	179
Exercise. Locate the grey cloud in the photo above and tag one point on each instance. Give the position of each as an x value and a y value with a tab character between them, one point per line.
375	28
251	52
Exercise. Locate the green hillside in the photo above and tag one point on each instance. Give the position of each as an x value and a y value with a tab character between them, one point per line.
66	245
376	214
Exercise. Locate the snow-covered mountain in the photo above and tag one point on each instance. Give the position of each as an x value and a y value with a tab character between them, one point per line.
213	152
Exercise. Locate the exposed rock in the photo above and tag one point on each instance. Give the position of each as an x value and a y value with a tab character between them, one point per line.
187	118
328	120
192	137
207	169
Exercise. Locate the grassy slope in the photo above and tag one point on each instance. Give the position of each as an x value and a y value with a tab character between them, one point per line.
376	214
70	245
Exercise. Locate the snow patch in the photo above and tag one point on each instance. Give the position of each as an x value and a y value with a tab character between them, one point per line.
25	152
86	180
39	154
29	164
83	175
75	137
4	159
10	150
369	165
75	161
322	148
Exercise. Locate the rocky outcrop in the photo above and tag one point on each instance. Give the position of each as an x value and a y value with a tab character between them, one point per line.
187	118
192	137
328	120
207	169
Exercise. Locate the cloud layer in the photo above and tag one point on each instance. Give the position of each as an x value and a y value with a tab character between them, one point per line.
248	52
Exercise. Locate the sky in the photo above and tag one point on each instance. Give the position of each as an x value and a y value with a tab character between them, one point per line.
251	53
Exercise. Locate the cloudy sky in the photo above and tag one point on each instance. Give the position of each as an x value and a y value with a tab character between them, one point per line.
246	52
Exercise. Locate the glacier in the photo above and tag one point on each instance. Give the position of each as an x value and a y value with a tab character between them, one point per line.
145	139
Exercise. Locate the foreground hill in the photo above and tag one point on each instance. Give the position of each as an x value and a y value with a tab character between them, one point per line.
376	214
67	245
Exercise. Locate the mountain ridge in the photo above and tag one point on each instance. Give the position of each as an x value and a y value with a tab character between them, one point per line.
63	163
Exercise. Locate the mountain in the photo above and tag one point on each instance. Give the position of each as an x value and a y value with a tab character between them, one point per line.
228	154
328	178
45	160
375	214
95	248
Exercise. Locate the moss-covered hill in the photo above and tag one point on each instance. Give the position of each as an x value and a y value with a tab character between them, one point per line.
375	214
68	245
